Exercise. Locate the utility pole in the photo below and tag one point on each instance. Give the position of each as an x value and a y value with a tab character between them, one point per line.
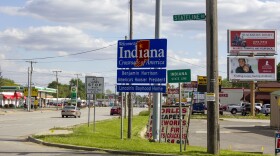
129	127
30	84
57	89
156	100
213	130
77	90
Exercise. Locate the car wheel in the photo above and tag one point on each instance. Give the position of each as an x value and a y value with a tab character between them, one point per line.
75	116
62	116
221	113
233	111
66	116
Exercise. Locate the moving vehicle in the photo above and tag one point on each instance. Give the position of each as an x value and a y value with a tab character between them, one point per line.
198	108
265	109
115	110
70	111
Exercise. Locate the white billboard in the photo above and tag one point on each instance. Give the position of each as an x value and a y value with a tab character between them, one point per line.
252	68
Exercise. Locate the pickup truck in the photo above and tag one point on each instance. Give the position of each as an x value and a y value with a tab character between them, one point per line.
236	108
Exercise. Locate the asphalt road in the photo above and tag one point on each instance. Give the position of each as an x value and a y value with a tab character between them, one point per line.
243	135
236	134
15	126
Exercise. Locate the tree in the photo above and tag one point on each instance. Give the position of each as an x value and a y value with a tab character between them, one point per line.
108	91
7	82
227	84
278	72
63	89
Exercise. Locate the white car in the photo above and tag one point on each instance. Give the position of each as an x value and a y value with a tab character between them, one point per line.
258	106
266	109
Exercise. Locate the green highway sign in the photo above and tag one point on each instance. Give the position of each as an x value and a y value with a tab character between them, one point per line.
188	17
177	76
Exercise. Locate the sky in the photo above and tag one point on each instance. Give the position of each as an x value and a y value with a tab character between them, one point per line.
80	37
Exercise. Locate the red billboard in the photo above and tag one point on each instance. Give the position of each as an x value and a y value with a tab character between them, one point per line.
252	68
259	42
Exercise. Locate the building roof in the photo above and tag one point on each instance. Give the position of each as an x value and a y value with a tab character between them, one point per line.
268	85
258	96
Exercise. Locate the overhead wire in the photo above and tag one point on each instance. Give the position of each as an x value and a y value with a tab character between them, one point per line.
50	57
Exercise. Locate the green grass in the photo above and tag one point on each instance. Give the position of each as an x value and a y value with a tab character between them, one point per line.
107	135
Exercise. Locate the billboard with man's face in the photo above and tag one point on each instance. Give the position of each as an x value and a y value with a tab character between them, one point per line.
252	68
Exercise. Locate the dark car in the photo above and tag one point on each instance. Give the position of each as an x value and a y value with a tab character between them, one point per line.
115	110
246	109
221	109
198	108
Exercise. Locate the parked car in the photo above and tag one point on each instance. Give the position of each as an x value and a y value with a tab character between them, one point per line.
246	109
198	108
224	107
115	110
236	108
258	106
70	111
265	109
221	109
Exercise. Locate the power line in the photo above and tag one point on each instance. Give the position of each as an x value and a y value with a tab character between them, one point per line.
50	57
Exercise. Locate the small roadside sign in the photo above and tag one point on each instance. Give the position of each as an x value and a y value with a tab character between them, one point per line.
210	96
94	85
178	76
188	17
202	80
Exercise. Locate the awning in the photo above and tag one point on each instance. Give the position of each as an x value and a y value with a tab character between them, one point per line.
16	95
258	96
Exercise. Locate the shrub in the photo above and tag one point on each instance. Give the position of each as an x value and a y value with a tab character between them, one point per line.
144	113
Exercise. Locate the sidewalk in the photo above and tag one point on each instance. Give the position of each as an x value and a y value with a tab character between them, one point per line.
246	120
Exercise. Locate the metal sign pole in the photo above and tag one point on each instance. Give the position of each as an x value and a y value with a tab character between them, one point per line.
88	99
121	115
94	116
180	114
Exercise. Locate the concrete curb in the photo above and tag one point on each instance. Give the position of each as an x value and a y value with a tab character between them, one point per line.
38	141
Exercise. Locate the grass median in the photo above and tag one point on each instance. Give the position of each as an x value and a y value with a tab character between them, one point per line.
107	136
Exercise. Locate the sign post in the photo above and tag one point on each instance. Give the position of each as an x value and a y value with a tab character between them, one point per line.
94	85
178	76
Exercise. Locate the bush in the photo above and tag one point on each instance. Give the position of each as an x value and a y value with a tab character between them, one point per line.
144	113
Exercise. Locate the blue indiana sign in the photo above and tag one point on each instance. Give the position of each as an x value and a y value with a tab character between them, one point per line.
140	88
146	53
141	76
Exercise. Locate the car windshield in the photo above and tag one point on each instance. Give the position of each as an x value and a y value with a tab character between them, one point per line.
115	107
268	106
